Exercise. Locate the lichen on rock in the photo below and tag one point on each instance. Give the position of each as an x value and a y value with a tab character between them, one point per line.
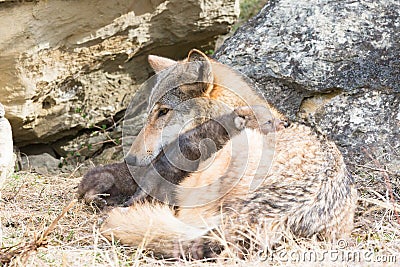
68	65
334	65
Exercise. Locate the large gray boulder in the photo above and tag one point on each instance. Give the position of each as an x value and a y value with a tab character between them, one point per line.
334	65
66	65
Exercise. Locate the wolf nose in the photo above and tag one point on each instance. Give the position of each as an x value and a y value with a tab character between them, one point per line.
131	160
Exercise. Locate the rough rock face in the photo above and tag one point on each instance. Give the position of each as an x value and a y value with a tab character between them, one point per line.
332	64
67	65
6	148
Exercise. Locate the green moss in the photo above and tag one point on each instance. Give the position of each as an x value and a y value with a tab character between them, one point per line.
249	8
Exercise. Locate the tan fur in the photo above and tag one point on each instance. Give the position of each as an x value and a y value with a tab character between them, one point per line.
306	192
160	63
225	86
231	173
151	225
231	89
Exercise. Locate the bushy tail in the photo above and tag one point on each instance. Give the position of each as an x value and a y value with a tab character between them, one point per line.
151	226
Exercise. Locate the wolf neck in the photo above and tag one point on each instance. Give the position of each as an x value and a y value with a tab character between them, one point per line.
233	90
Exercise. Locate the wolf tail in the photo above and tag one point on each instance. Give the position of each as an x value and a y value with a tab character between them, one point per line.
152	227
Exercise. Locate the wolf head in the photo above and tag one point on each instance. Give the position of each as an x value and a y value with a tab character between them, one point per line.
184	95
178	102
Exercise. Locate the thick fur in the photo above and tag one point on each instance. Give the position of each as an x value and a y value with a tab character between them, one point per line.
307	191
189	150
114	184
110	185
173	109
313	195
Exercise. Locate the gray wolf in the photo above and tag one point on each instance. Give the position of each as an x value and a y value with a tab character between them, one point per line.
114	184
292	182
183	155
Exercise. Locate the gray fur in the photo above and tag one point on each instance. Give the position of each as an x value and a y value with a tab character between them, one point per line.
114	184
111	185
159	179
302	185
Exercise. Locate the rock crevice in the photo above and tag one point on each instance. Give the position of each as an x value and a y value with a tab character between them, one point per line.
67	65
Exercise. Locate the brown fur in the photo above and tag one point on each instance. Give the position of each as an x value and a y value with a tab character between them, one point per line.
159	178
171	105
114	184
304	189
110	185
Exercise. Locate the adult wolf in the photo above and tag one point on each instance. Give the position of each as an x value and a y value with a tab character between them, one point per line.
304	190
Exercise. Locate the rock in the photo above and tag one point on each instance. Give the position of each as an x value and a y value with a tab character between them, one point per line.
37	149
87	144
6	148
42	163
334	65
68	65
109	155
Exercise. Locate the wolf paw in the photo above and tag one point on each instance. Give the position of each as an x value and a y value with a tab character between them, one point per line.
96	201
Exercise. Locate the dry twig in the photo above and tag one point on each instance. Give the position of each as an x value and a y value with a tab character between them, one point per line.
23	249
387	182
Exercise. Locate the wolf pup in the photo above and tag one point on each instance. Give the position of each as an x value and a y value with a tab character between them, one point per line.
189	150
302	187
110	185
114	184
6	148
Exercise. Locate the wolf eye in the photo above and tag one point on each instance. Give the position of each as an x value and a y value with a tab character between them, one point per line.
162	112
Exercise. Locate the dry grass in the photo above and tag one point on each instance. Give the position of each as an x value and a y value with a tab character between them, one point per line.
31	202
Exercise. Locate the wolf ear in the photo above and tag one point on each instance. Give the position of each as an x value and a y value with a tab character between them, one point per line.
160	63
204	70
197	55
